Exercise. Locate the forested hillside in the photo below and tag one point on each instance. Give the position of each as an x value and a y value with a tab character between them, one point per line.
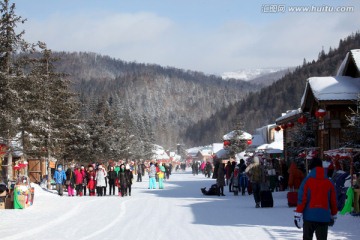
171	99
263	107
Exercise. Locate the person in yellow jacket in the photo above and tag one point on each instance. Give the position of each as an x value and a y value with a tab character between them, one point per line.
161	174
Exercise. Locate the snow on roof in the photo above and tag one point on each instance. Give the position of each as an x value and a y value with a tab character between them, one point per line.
332	88
159	152
217	146
288	114
206	151
160	156
340	71
355	55
232	134
274	147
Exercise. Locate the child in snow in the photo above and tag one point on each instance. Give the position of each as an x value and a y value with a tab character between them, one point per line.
91	186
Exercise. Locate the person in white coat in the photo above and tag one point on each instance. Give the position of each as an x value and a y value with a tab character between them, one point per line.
100	178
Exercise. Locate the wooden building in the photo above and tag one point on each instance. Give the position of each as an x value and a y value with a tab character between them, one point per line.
329	100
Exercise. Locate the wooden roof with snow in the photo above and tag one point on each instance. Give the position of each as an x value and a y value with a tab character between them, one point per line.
351	64
343	88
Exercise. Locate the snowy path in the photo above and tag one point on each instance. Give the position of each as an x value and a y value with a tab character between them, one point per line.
179	211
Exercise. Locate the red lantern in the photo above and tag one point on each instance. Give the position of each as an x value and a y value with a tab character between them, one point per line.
16	167
302	154
320	113
290	124
302	119
283	126
249	142
277	128
227	143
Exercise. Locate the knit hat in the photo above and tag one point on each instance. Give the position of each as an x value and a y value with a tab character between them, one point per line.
315	162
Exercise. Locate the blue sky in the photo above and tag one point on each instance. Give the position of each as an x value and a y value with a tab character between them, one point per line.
212	36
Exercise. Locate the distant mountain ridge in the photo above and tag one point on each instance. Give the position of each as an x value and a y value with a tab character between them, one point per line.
270	78
250	74
172	99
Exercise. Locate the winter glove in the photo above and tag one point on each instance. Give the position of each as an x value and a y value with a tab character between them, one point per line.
332	221
297	219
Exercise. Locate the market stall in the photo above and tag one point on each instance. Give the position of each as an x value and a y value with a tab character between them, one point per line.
346	177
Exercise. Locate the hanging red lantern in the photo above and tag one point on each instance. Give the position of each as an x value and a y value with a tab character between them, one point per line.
290	124
227	143
320	113
302	154
284	126
249	142
302	119
277	128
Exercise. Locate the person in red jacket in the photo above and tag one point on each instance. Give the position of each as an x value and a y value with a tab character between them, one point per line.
91	186
295	177
79	180
316	203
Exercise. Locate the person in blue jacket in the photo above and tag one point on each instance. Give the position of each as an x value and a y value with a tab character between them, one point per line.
59	178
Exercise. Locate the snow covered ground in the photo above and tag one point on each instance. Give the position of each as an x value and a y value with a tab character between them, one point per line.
179	211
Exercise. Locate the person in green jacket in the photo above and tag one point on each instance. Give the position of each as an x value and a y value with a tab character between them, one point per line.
161	174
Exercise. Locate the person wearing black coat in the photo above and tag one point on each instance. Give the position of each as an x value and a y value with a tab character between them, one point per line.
70	180
112	177
129	178
122	180
139	172
243	180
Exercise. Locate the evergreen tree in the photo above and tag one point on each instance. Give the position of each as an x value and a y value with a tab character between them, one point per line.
238	144
54	113
10	102
352	134
303	138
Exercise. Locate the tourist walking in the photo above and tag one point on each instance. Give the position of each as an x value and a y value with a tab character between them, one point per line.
316	203
122	181
112	178
139	172
257	176
59	178
70	180
152	175
161	174
129	178
100	181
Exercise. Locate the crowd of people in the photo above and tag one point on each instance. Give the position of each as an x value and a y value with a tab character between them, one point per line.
97	178
316	202
251	176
